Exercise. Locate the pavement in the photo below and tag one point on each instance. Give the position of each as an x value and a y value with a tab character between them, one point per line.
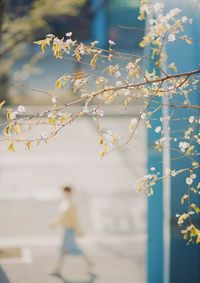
116	259
111	214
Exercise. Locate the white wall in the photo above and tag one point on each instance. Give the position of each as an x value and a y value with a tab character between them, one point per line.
104	187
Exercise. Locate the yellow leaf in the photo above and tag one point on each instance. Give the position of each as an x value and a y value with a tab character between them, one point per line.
185	237
189	150
38	142
94	60
9	114
29	145
7	130
52	121
104	151
150	192
173	67
11	147
39	42
2	103
197	209
57	51
59	83
188	40
62	119
198	239
43	46
78	56
101	140
141	17
148	124
17	129
194	164
43	43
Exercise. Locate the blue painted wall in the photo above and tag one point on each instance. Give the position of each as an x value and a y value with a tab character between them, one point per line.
185	260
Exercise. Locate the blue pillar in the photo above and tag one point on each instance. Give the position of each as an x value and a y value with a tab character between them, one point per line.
99	25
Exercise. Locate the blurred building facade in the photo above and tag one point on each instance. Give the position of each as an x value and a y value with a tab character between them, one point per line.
30	182
98	20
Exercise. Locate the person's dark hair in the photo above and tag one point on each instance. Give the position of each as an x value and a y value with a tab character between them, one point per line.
67	189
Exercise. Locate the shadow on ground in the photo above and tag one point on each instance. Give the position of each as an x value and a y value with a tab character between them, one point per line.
89	280
4	278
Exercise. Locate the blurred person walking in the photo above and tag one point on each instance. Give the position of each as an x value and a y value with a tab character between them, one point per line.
68	220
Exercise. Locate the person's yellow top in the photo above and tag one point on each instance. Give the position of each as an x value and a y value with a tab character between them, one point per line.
68	218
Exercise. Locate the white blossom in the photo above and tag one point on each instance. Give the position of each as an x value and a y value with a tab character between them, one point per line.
185	196
191	119
117	74
173	173
149	176
111	42
101	113
109	137
143	116
81	49
54	99
94	43
184	19
69	41
182	218
158	7
21	109
172	13
126	92
158	129
193	176
171	37
85	109
118	83
50	115
50	35
13	115
183	146
44	135
189	180
152	21
79	82
146	7
68	34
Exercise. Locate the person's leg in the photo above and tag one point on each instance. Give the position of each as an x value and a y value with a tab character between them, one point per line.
88	262
59	264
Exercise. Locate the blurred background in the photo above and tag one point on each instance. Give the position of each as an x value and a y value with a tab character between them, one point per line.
113	217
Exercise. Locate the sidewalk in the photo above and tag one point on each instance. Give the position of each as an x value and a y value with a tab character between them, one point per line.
118	259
